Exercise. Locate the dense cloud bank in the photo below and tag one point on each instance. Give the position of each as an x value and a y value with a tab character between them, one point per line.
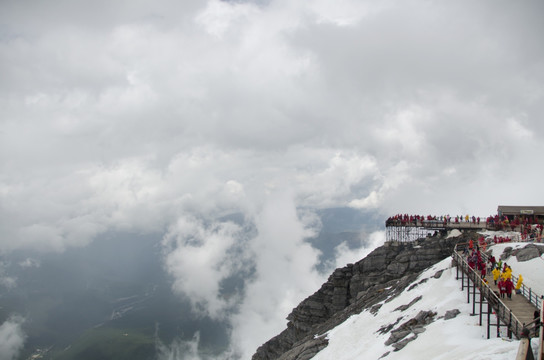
120	116
168	116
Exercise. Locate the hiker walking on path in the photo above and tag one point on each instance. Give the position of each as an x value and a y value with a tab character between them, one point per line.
496	273
518	284
509	287
492	263
502	288
507	273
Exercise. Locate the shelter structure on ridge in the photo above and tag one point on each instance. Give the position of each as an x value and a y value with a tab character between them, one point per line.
536	213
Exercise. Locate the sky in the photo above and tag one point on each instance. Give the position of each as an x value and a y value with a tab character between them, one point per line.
455	339
167	116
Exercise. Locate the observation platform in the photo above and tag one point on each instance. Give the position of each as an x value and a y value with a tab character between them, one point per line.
403	231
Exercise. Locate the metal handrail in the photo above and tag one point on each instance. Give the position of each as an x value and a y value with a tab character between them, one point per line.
533	327
528	293
503	312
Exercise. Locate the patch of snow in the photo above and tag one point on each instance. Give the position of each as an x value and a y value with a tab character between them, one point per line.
514	235
453	233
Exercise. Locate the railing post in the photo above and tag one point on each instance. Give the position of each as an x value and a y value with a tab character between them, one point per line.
510	325
499	320
468	288
541	336
474	293
462	278
488	318
481	305
456	267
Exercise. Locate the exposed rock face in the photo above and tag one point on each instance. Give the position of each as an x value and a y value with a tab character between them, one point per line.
404	307
529	252
412	327
506	253
450	314
383	274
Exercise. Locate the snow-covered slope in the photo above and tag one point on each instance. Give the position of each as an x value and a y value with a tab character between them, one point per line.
458	338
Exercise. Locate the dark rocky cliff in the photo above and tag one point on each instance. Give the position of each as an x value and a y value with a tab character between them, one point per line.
384	273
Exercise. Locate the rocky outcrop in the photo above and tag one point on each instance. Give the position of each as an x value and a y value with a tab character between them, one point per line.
529	252
405	307
306	350
383	274
413	327
506	253
450	314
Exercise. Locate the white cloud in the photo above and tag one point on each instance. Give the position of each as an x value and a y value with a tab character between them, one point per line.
280	253
6	280
344	255
179	349
396	176
404	129
199	257
12	338
371	201
516	128
29	263
219	15
344	12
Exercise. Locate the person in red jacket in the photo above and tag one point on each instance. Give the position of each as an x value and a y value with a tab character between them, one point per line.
483	270
502	287
492	263
509	287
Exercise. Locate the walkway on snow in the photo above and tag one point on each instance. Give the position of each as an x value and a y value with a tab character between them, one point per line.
520	306
513	313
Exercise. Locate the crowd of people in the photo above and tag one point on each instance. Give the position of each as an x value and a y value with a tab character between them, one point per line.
501	239
532	232
501	271
406	219
529	228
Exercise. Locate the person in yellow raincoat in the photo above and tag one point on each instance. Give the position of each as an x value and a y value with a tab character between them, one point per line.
518	284
496	273
507	274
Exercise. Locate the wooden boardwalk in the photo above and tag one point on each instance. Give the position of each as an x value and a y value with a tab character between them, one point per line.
513	313
520	306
